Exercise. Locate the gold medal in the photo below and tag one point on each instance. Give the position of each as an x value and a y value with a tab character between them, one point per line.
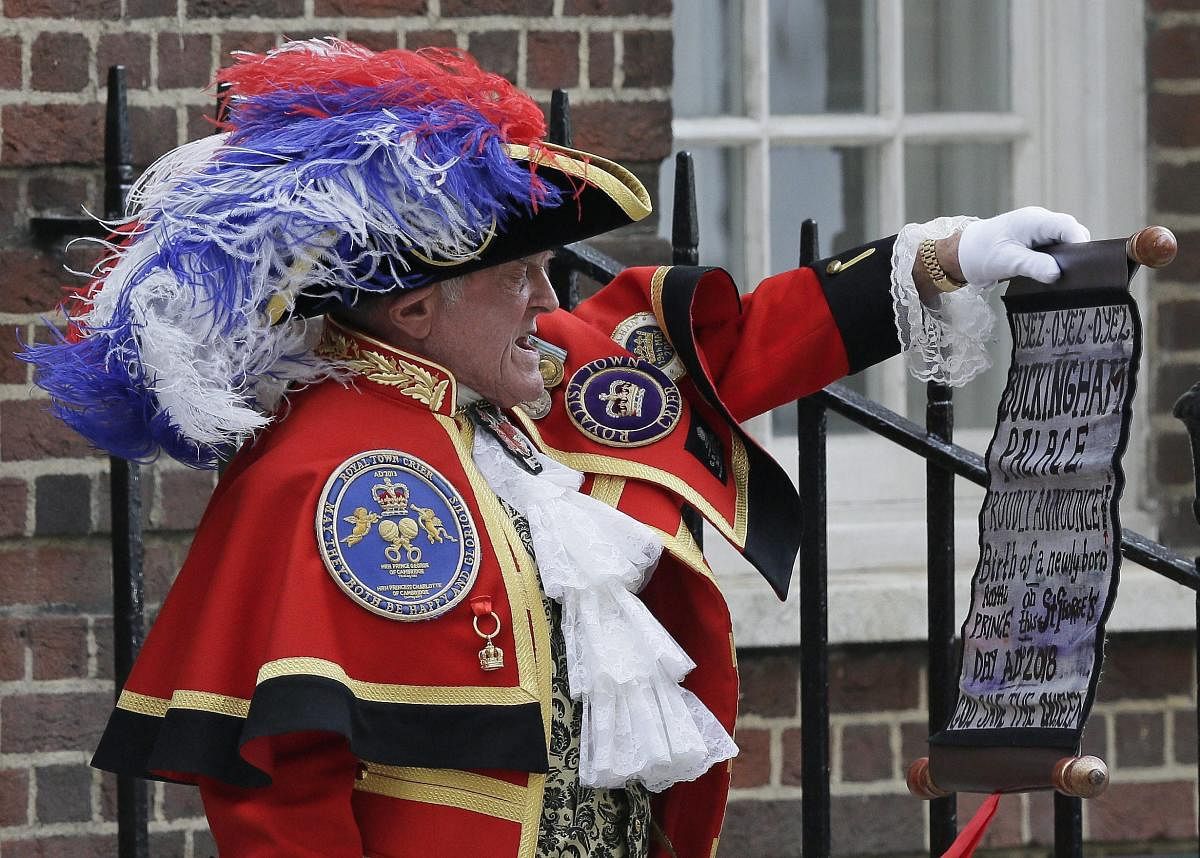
552	370
551	362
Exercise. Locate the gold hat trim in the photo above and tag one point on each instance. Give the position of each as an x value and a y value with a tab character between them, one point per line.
618	183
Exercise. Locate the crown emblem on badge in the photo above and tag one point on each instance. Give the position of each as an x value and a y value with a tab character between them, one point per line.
624	399
392	499
650	346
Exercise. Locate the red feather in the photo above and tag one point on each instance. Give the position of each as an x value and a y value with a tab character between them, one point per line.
402	78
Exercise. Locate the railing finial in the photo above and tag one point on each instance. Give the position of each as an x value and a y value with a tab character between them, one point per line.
221	113
118	148
810	245
685	222
560	118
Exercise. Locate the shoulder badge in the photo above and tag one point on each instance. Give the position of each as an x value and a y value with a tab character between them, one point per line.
396	536
641	336
623	401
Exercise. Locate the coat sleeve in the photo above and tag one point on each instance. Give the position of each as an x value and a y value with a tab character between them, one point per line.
305	811
792	335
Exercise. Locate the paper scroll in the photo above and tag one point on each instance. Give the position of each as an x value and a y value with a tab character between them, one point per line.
1049	527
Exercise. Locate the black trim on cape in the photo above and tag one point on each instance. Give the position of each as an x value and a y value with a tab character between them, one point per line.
772	504
196	742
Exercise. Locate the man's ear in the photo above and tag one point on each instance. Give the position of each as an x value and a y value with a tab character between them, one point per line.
412	312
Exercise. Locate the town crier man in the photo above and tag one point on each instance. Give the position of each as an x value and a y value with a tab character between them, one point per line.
443	601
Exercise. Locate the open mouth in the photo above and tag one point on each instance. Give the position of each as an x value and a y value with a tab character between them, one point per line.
525	343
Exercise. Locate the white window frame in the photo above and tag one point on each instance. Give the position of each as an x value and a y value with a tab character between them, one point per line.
1076	64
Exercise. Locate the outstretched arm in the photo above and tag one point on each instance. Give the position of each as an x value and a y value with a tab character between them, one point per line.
802	329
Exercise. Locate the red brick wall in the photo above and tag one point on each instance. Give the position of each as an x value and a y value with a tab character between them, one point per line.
1143	725
1173	329
55	633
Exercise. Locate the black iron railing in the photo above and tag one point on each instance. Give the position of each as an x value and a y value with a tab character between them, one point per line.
944	462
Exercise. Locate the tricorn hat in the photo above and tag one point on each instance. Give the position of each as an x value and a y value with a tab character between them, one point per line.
338	171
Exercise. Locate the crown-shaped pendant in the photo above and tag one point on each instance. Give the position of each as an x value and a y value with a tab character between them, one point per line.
491	657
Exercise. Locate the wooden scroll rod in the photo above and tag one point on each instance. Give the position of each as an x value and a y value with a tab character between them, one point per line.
1077	777
1154	246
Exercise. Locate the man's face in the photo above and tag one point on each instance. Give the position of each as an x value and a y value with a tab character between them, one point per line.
483	336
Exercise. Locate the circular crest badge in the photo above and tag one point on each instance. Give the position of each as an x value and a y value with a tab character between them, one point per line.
623	401
640	335
396	536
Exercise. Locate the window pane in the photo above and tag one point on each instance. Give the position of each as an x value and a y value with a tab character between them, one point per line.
835	186
719	192
956	56
822	56
975	179
708	59
957	178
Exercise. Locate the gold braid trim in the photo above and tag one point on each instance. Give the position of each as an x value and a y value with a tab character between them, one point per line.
440	795
378	692
597	463
741	480
239	707
454	779
205	701
656	295
621	186
608	489
531	820
683	546
520	582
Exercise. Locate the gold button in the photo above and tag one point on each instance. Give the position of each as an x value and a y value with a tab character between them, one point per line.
837	266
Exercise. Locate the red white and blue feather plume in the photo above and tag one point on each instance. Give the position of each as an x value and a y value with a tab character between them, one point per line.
335	160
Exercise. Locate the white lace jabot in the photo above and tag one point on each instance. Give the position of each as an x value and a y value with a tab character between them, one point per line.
639	724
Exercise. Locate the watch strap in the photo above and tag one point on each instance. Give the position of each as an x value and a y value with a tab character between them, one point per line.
927	252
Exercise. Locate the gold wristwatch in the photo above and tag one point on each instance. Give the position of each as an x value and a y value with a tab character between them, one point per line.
943	281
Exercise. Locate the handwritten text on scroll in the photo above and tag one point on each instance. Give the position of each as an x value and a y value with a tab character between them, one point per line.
1048	547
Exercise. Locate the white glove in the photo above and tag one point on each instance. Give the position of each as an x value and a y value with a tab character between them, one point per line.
998	248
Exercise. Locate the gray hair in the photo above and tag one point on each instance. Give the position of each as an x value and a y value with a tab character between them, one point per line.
452	289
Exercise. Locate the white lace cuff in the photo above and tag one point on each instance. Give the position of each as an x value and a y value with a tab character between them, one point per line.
638	722
947	343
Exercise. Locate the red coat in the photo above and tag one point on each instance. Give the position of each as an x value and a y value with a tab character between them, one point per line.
387	738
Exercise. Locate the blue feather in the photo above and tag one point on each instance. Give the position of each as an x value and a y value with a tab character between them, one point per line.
106	400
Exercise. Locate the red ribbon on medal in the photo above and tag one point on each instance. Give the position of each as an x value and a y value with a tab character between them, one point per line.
481	605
